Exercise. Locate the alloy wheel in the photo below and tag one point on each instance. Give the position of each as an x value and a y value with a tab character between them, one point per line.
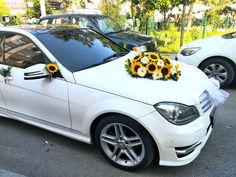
217	71
122	144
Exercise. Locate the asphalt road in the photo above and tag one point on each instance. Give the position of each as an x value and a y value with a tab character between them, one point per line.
34	152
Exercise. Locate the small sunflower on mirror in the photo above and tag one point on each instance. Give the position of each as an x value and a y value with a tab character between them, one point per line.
151	65
52	68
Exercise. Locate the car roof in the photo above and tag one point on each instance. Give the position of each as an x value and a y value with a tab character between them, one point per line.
72	14
39	29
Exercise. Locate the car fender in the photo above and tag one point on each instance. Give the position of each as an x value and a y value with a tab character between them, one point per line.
93	108
199	57
221	53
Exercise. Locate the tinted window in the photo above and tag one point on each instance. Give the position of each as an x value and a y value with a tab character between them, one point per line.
20	51
81	21
44	22
106	25
78	49
60	20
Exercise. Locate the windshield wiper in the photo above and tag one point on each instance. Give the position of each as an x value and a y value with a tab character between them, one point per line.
105	60
113	32
109	58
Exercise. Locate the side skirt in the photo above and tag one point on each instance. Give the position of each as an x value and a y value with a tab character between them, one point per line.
68	132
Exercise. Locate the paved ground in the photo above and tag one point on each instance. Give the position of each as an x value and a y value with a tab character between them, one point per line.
4	173
33	152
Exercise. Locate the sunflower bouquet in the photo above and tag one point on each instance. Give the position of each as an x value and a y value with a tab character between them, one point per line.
151	65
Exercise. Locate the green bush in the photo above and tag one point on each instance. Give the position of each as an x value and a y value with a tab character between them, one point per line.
169	41
16	20
34	12
216	22
195	33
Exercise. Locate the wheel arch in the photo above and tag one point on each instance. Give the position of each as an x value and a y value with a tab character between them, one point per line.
219	56
102	116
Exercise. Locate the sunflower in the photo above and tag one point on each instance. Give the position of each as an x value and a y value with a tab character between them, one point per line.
135	66
165	70
137	57
167	61
52	68
153	56
152	67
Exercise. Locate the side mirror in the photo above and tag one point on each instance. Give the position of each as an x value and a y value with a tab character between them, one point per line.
37	71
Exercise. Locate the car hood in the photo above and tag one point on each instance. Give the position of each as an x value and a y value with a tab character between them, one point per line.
210	41
130	37
113	78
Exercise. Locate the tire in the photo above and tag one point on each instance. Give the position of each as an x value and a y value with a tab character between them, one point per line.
124	142
220	69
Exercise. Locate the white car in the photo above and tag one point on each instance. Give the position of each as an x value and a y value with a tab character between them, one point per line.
216	56
94	100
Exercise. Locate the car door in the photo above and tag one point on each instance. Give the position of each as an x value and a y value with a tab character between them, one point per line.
42	99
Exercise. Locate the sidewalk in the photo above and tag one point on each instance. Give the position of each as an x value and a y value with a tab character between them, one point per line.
4	173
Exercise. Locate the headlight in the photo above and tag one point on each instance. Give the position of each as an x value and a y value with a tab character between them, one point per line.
177	113
190	51
141	49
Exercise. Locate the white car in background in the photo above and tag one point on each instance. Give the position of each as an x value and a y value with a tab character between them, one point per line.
216	56
91	98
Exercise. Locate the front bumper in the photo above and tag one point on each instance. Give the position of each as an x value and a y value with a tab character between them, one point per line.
179	145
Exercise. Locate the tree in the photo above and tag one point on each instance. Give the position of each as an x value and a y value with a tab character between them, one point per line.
217	8
111	8
65	4
34	12
162	5
184	2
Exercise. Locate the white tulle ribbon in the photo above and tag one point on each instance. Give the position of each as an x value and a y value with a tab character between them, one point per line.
219	96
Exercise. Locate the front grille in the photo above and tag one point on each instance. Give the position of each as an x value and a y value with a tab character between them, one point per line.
205	101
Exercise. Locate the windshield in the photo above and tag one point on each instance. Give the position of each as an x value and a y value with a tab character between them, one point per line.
106	25
78	49
229	35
